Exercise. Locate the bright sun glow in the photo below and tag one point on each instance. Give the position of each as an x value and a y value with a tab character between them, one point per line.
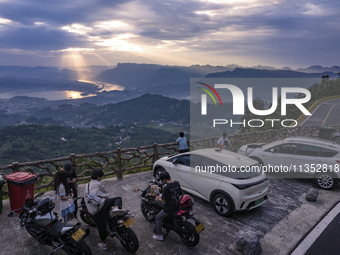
77	28
120	43
4	21
77	49
111	24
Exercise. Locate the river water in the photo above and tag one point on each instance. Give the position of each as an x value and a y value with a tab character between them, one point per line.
61	94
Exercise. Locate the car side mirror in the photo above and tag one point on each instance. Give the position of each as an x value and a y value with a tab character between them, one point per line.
174	162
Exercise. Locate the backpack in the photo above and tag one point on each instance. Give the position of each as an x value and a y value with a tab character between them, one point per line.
92	199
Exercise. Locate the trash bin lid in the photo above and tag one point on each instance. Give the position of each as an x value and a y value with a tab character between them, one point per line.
21	178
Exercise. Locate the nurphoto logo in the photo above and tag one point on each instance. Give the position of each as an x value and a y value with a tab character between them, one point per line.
238	100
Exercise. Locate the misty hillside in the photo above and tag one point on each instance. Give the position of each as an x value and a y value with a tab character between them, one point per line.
140	110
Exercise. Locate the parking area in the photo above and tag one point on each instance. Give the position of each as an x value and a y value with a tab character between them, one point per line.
285	196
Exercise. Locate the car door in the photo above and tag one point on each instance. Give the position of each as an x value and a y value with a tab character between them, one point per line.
308	156
180	171
203	181
281	155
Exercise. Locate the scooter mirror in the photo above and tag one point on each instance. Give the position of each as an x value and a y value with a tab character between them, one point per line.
10	214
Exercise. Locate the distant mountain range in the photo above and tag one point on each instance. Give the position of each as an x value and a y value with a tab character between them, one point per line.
256	73
143	75
132	75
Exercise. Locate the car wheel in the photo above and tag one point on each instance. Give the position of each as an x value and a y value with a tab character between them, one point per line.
158	173
325	181
223	205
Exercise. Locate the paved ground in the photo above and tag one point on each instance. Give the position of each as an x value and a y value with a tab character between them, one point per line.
280	222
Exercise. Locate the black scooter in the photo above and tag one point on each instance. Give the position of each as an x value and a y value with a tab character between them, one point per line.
178	222
43	224
119	226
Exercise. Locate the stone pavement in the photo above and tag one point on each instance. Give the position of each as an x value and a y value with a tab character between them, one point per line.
280	222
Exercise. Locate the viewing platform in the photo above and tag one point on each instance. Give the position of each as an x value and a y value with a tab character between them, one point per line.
280	222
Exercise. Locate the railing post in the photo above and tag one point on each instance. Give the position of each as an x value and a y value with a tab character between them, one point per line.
155	152
119	164
15	167
213	142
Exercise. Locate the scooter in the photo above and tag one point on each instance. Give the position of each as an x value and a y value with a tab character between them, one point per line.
178	222
119	226
43	224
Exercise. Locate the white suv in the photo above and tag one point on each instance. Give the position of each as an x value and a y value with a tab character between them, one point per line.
217	176
299	157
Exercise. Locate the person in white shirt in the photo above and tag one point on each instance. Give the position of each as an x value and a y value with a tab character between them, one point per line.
102	212
223	142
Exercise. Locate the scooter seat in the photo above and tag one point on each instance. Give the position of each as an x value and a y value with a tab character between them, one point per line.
57	226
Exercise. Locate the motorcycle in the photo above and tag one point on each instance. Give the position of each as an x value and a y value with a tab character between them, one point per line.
43	224
119	226
85	215
178	222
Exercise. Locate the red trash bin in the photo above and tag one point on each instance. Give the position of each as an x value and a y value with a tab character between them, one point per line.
20	187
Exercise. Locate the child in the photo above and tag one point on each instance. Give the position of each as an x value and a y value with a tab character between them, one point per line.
183	143
65	195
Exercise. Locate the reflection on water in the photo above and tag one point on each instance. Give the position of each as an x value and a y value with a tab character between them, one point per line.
61	94
105	86
77	94
48	94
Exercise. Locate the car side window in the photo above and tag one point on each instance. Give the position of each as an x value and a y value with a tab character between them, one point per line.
212	166
184	160
328	153
195	161
172	159
308	150
288	148
207	162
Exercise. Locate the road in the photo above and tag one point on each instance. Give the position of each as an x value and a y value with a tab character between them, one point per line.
327	113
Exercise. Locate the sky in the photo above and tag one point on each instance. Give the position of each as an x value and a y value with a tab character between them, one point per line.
68	33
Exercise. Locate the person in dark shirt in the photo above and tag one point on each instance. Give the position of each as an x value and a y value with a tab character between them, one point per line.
170	196
72	181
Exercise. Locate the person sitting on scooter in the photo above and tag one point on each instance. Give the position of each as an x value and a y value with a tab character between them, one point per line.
170	196
102	212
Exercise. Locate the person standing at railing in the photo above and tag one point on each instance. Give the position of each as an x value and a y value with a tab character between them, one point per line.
223	142
183	143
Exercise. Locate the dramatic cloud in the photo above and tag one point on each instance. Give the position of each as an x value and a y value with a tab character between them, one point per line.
248	32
